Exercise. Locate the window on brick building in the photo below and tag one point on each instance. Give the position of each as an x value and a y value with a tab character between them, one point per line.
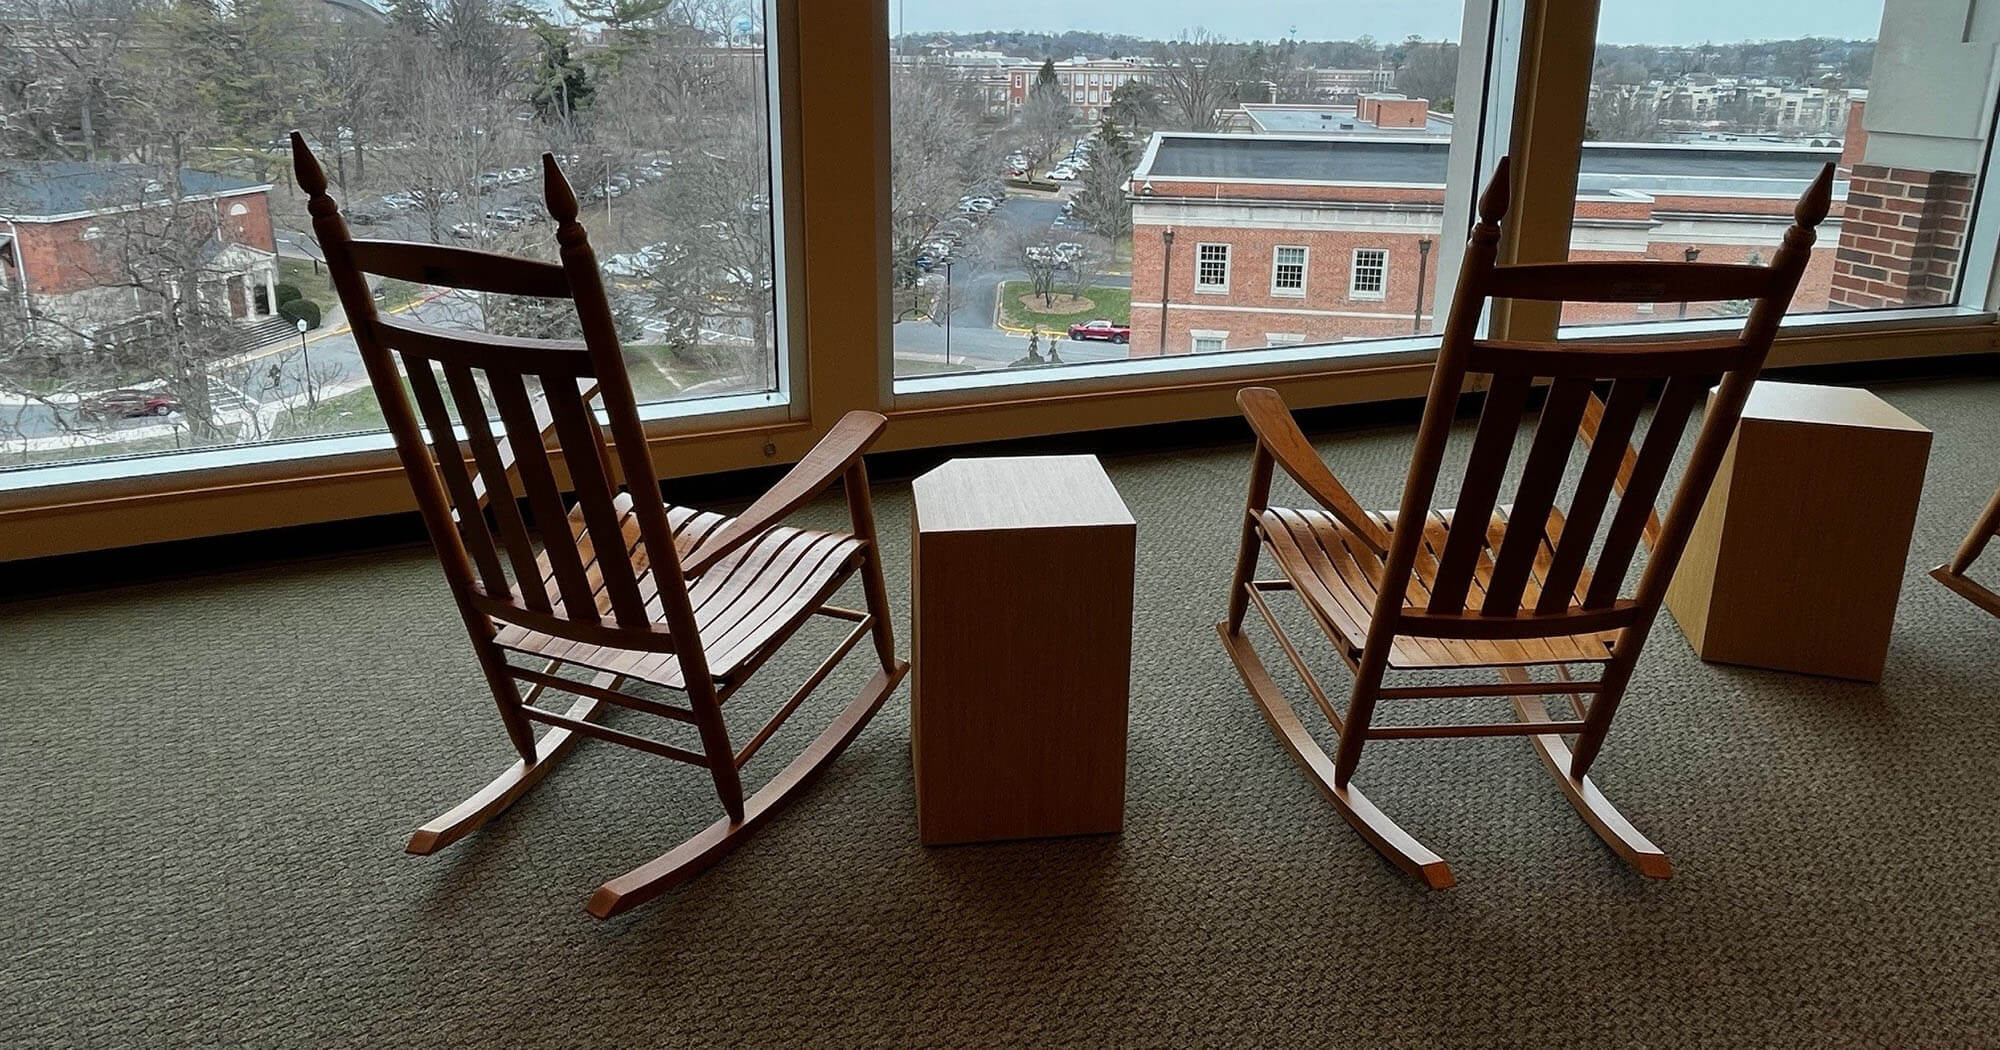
1211	268
1369	275
1693	149
1207	342
1288	270
1283	339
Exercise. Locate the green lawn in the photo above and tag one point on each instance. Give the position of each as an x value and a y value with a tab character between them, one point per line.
353	411
1112	304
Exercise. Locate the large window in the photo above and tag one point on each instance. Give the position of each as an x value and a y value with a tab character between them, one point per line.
159	265
1701	132
1023	209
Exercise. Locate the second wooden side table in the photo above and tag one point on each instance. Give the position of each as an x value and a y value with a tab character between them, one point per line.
1022	648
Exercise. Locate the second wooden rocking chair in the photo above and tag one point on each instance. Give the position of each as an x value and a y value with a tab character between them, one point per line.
623	587
1504	588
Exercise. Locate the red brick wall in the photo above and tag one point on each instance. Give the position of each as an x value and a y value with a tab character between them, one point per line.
253	227
60	261
1904	233
1329	260
1403	113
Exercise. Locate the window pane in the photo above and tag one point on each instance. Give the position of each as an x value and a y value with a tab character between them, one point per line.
1288	270
156	258
1702	132
1216	181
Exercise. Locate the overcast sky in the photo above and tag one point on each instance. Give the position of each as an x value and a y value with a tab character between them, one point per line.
1623	21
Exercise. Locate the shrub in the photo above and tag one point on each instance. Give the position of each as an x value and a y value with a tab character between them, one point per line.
287	292
300	310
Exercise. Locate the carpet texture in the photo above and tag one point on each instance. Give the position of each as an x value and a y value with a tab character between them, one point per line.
209	783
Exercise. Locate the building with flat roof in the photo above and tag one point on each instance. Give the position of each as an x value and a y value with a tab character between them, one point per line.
1369	115
1318	237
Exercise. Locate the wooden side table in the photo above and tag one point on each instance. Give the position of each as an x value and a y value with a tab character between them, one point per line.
1022	646
1797	559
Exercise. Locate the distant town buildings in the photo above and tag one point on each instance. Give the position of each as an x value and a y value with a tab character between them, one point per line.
1004	83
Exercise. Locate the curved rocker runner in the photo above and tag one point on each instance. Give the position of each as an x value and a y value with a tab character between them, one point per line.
622	586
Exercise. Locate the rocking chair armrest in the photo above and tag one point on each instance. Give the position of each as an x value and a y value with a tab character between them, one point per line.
1279	434
829	459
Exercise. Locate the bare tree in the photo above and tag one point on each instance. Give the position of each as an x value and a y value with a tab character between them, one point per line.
940	152
1100	197
1046	121
1621	113
1429	71
1200	74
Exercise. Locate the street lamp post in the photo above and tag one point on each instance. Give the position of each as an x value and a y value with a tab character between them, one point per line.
949	304
1423	262
1691	254
1166	272
306	355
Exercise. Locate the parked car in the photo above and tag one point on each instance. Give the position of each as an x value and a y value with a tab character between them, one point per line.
1101	331
1061	174
127	404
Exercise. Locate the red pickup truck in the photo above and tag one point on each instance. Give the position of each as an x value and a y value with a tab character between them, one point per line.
1101	330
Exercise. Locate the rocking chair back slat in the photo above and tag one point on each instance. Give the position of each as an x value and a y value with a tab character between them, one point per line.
1541	475
458	481
503	503
1642	487
545	502
1485	467
596	497
1617	419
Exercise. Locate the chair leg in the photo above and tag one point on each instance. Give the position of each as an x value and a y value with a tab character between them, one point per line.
493	799
715	745
506	692
861	511
697	854
1248	549
1375	827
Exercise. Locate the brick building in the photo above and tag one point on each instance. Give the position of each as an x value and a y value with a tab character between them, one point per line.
1089	84
1282	238
72	233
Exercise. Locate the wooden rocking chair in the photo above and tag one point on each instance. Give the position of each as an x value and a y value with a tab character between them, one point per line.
1952	573
624	587
1503	589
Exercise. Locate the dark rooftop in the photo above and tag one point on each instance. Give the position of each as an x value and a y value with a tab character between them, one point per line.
1375	159
44	189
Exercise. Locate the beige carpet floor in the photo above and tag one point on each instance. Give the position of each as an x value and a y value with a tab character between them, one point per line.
208	783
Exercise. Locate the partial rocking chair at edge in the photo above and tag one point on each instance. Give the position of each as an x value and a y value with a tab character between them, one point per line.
625	586
1504	588
1953	573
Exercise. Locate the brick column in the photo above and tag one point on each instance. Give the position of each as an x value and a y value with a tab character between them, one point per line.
1901	236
